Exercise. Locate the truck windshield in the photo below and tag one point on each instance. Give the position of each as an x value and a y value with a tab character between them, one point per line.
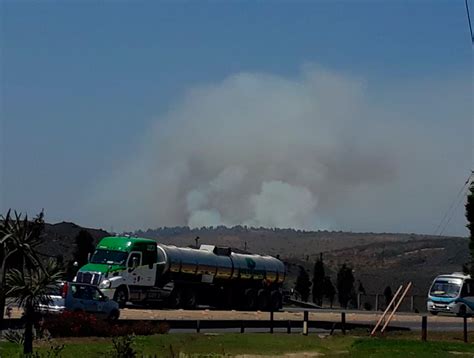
446	288
109	257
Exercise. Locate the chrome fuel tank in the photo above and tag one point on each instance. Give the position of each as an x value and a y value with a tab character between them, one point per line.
221	263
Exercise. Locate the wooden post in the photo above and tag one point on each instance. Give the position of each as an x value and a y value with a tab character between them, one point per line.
386	310
242	326
412	303
465	327
198	326
358	301
376	302
396	307
305	323
288	327
343	322
271	321
424	325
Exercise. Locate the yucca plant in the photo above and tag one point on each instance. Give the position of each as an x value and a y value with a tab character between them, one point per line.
18	239
29	288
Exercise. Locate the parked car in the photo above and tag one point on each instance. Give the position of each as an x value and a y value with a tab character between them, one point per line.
81	297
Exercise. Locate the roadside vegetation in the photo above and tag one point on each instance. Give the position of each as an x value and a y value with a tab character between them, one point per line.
229	344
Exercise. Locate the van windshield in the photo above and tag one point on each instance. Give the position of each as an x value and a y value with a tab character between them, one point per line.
102	256
446	288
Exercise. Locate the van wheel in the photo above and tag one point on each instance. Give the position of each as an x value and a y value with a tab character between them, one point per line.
462	311
121	296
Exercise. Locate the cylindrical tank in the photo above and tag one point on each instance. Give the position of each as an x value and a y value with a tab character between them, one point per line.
221	263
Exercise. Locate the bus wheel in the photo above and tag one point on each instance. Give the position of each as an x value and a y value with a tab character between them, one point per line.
121	296
462	311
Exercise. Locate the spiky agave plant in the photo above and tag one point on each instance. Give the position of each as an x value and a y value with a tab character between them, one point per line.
29	288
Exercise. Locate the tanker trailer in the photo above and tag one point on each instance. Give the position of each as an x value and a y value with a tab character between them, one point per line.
141	271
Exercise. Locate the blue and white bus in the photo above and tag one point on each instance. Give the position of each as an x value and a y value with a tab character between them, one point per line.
452	293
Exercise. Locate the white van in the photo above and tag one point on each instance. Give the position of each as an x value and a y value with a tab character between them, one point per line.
451	293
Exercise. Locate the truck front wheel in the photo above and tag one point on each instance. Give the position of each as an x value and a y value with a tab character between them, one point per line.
121	296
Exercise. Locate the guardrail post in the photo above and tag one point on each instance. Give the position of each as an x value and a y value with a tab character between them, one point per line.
242	327
288	327
271	321
343	322
465	327
198	326
305	323
424	325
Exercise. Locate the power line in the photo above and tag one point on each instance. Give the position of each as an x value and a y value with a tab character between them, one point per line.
461	199
469	21
454	205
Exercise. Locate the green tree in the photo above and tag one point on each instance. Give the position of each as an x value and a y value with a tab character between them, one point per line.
470	225
345	285
29	288
318	281
329	290
303	284
84	246
19	238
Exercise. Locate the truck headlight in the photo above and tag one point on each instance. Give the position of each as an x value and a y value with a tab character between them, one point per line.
105	284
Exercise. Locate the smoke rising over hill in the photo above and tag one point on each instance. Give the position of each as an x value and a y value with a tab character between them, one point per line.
322	150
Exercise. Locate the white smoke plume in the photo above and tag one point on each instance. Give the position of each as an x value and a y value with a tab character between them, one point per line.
317	151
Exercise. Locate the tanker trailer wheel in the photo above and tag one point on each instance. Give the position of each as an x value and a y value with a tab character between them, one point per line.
189	299
121	296
275	301
175	299
250	299
263	300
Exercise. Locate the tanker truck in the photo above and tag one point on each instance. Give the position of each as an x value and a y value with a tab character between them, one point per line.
141	271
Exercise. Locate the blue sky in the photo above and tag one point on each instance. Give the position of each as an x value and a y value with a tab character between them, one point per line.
83	82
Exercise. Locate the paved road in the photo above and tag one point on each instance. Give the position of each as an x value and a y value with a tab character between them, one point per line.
408	320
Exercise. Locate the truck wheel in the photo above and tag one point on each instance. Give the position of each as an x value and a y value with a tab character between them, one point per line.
189	299
263	300
175	299
250	299
121	296
275	301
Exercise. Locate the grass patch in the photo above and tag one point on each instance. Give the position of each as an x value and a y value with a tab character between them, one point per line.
229	344
376	347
